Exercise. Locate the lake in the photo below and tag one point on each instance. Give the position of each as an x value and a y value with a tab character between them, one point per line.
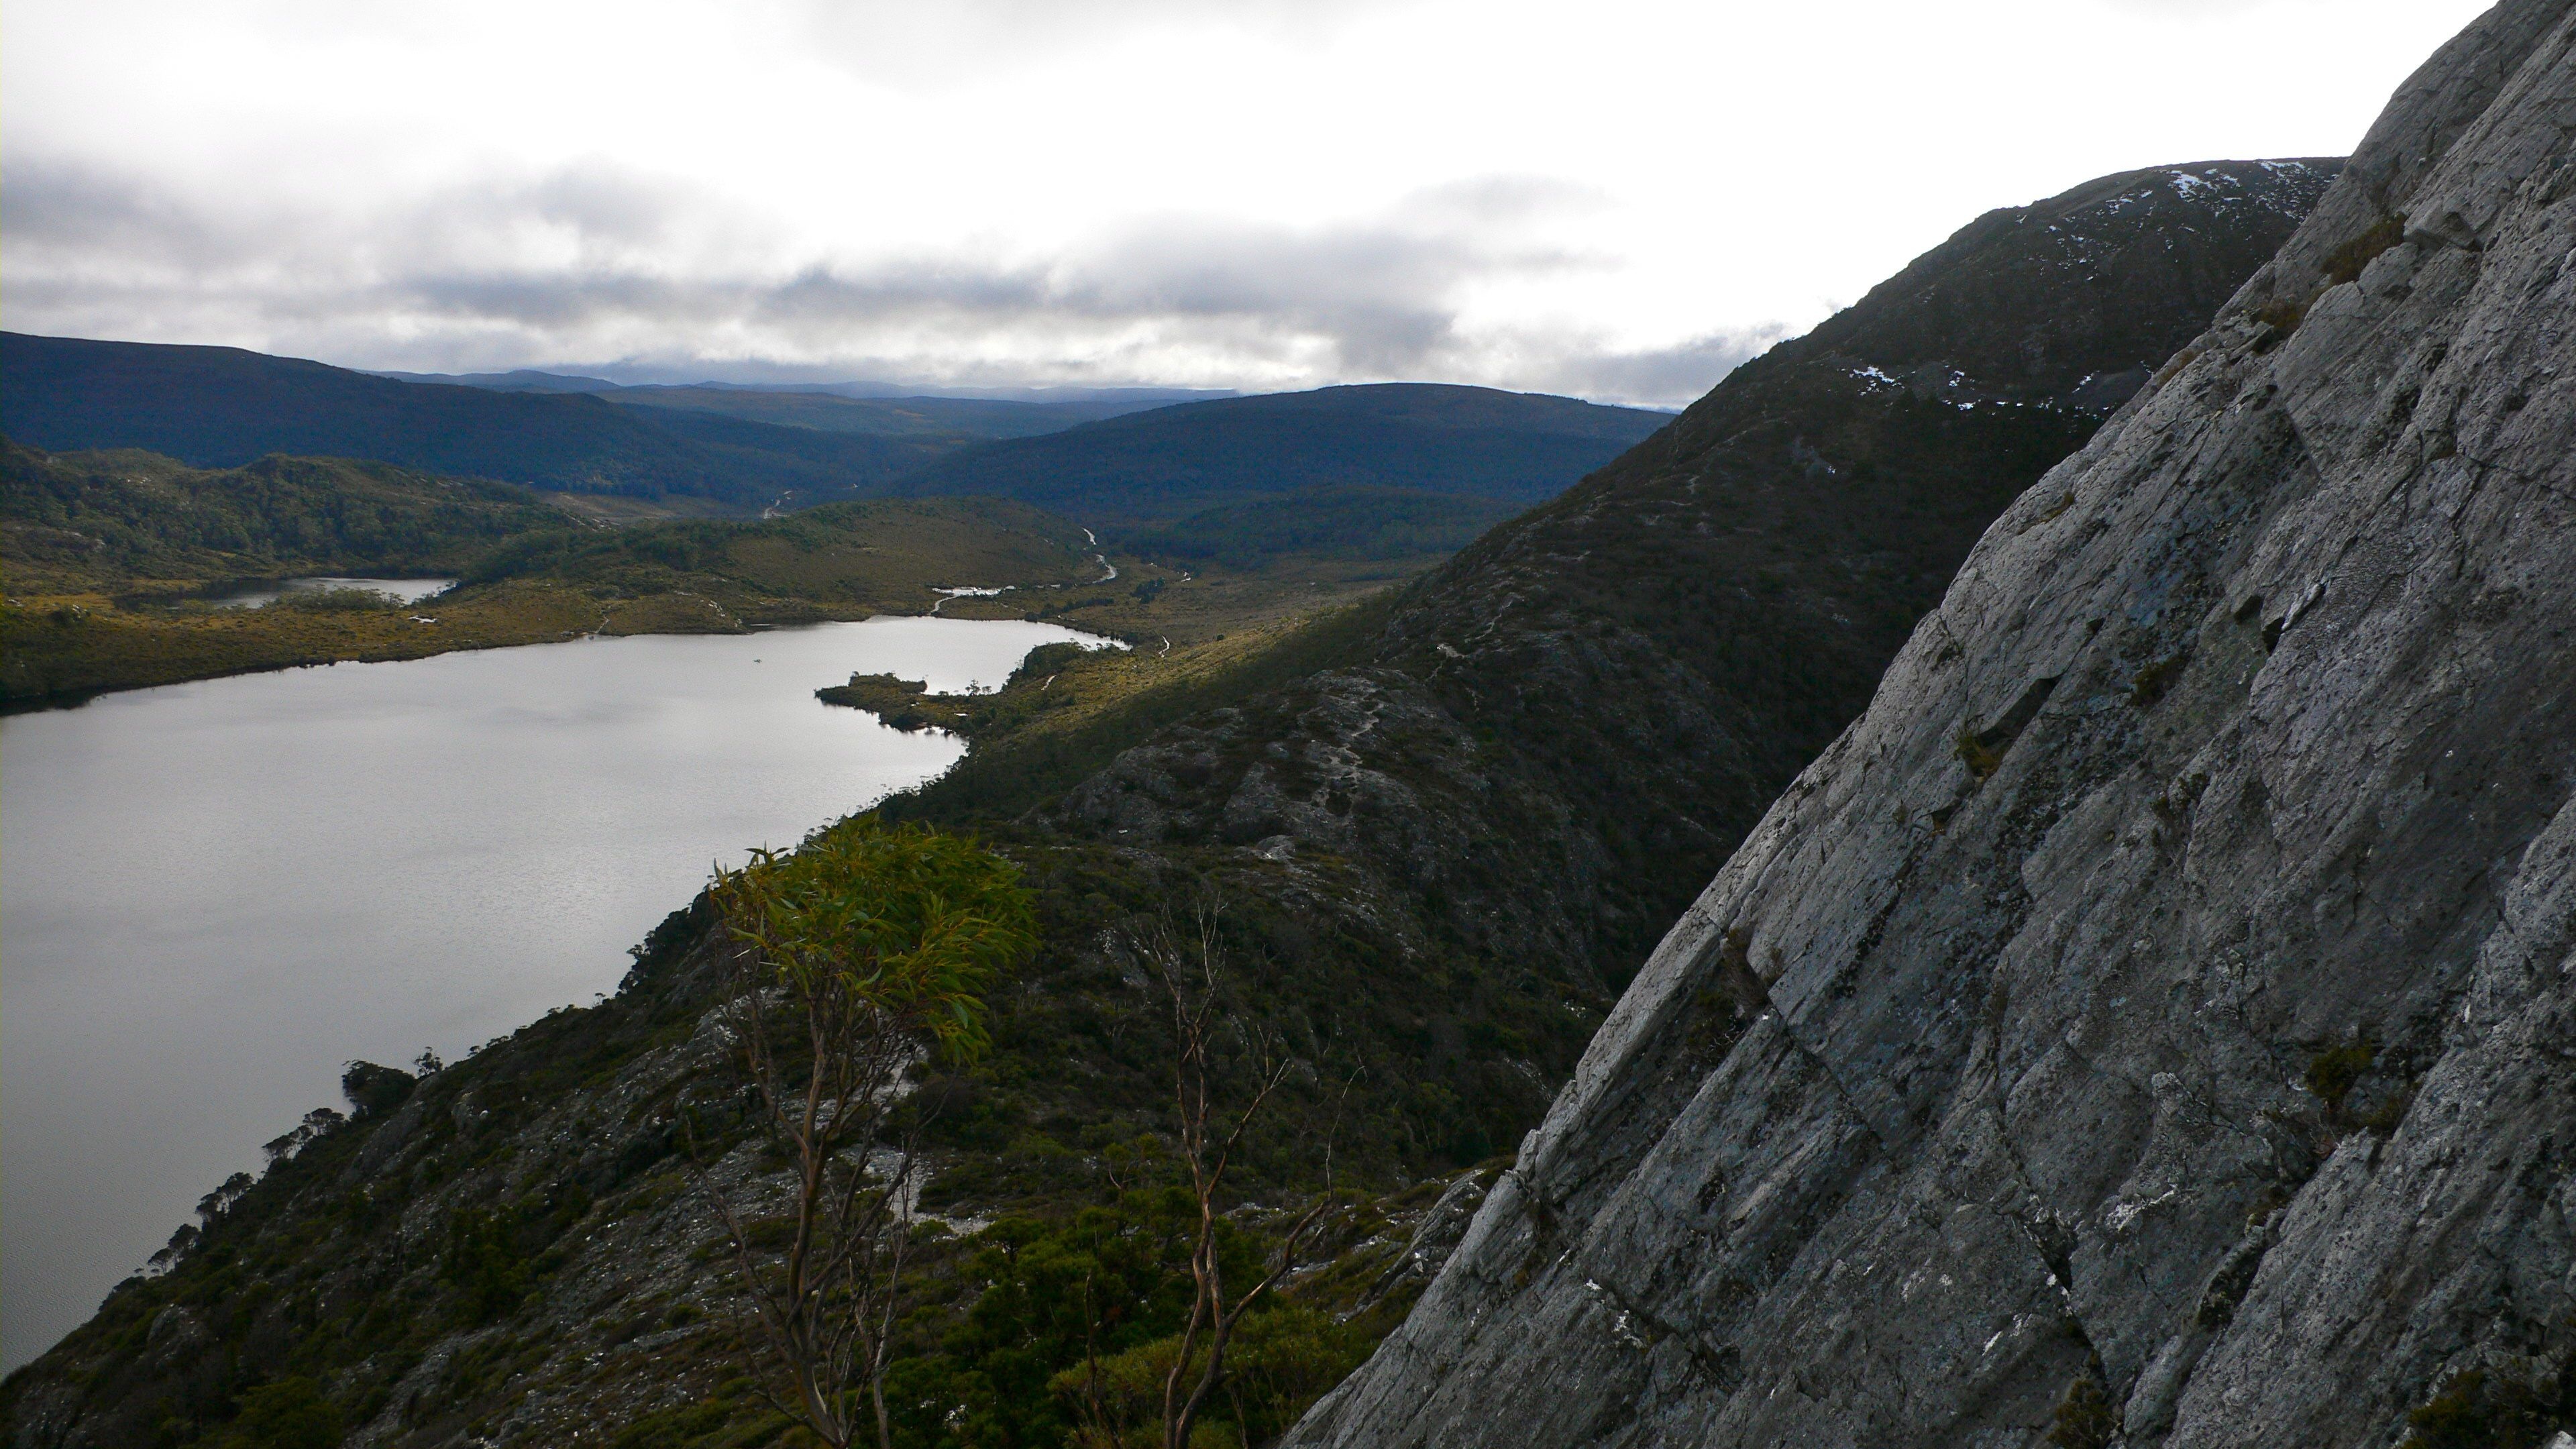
260	596
212	895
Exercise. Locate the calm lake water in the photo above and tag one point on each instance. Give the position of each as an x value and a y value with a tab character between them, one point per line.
212	895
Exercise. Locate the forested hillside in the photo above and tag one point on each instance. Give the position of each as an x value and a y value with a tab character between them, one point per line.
1167	464
221	407
137	515
927	417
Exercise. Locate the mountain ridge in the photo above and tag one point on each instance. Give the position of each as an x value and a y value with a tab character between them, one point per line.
751	449
1162	465
224	407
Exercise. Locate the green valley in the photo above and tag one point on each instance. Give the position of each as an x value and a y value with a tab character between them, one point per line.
112	562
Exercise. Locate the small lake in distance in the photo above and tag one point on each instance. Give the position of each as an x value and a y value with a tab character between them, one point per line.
260	596
212	895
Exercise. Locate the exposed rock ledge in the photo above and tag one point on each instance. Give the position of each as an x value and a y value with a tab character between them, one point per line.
2167	983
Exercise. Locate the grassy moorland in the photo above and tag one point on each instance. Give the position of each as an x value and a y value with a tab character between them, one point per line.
109	559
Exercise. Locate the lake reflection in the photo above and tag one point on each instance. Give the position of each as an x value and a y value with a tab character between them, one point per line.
212	895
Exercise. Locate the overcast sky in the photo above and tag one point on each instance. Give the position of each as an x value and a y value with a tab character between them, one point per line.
1616	199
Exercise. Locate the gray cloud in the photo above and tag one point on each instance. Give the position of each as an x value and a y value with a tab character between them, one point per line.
2191	7
906	43
640	272
67	213
1657	377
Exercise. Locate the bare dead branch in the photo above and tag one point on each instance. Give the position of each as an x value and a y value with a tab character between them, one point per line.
1190	968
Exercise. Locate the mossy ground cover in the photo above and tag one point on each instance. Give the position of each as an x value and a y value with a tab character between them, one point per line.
63	647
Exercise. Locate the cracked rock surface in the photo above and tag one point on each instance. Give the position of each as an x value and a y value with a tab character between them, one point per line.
2165	991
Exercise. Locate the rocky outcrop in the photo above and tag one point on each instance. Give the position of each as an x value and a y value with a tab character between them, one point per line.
2154	1021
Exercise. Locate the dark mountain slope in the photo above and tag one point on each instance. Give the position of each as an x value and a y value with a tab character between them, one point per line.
749	444
1175	461
1361	523
1444	826
2120	259
219	407
1601	695
2150	1024
525	379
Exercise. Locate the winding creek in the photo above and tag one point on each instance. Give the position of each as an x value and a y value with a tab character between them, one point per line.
212	895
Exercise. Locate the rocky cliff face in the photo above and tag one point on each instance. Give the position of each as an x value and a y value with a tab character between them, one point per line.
2154	1022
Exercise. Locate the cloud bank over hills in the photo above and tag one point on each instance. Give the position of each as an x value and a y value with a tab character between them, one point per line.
577	265
1233	195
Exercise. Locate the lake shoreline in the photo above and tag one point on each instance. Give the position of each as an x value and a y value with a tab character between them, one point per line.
216	896
398	648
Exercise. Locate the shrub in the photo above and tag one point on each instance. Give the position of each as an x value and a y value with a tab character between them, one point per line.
334	601
2345	263
2281	314
1981	761
2481	1410
909	922
483	1260
2333	1071
2149	684
2281	317
2391	1111
373	1090
1050	659
288	1414
2084	1417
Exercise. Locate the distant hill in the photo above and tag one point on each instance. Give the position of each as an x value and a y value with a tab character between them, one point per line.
932	417
1140	397
523	379
220	407
134	514
1172	462
1131	461
1122	399
841	407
